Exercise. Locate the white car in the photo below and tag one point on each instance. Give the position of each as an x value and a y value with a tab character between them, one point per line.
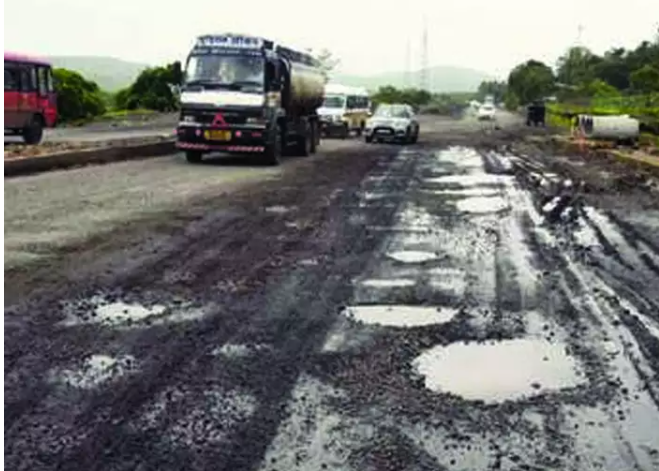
486	111
392	122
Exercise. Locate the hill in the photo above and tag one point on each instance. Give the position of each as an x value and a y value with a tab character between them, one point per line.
442	79
111	74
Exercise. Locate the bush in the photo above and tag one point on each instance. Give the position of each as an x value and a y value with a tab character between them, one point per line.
77	98
154	89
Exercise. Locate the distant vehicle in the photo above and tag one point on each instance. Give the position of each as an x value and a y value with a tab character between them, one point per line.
30	98
535	114
344	110
392	122
244	94
486	112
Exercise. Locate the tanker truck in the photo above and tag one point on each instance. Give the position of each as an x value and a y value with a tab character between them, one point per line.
247	95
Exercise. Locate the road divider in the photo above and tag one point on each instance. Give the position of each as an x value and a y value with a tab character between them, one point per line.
27	165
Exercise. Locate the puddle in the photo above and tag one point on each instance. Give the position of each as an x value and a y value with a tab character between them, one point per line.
278	209
471	180
237	350
119	313
466	192
478	205
498	371
98	369
388	283
412	256
401	316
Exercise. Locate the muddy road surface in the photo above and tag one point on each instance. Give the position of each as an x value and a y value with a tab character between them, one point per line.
460	304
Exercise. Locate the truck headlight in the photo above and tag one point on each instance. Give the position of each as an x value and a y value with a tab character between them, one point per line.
188	119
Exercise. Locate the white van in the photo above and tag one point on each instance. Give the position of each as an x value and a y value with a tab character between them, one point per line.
344	110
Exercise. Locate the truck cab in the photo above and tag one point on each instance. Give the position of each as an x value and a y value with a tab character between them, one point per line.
242	94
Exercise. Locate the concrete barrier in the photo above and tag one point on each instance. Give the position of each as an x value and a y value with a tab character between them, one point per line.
61	160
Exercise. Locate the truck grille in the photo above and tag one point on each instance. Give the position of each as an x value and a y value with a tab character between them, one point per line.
207	117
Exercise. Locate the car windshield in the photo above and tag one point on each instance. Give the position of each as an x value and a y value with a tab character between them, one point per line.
233	71
391	112
334	101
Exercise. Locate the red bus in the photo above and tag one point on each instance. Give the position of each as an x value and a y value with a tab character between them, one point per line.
30	99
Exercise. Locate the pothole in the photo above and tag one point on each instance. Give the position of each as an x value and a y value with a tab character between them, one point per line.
278	209
99	310
479	205
98	369
400	316
498	371
388	283
471	179
412	256
466	192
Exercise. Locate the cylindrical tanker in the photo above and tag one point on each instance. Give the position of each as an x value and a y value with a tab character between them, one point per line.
621	127
307	88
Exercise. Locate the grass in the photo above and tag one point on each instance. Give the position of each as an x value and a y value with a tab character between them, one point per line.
113	115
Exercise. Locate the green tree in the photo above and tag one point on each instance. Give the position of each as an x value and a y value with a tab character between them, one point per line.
598	89
411	96
532	80
77	97
154	89
645	79
494	88
577	66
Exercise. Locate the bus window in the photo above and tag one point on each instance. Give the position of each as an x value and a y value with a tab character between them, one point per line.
28	79
42	77
11	79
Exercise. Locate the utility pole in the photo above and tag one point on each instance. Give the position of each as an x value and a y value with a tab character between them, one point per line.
424	57
580	36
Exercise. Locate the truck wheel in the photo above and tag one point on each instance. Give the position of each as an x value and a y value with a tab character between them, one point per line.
313	138
33	131
415	138
272	153
345	132
368	139
193	156
360	130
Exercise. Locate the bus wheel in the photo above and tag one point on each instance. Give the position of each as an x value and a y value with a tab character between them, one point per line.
33	132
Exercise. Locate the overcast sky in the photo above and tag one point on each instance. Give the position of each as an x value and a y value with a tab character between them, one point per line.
368	36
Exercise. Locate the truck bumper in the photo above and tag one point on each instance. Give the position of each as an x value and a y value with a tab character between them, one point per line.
241	139
332	127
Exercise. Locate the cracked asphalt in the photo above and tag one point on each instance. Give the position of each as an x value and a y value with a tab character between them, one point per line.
472	302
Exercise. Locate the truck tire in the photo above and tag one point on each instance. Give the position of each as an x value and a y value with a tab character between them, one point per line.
368	139
313	137
33	131
345	132
272	153
193	156
304	144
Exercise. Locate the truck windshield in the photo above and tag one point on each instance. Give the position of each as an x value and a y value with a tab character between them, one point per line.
334	101
232	71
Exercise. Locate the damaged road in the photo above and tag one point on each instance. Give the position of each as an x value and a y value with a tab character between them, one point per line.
460	304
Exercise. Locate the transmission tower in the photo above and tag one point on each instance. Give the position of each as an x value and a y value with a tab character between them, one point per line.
408	69
424	57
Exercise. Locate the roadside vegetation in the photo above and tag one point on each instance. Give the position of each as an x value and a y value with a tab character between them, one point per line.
621	81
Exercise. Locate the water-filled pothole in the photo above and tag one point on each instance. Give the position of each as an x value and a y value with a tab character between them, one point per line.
99	310
388	283
98	369
412	256
401	316
498	371
478	205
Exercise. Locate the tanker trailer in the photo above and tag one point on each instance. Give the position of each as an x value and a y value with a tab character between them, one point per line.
245	95
621	128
